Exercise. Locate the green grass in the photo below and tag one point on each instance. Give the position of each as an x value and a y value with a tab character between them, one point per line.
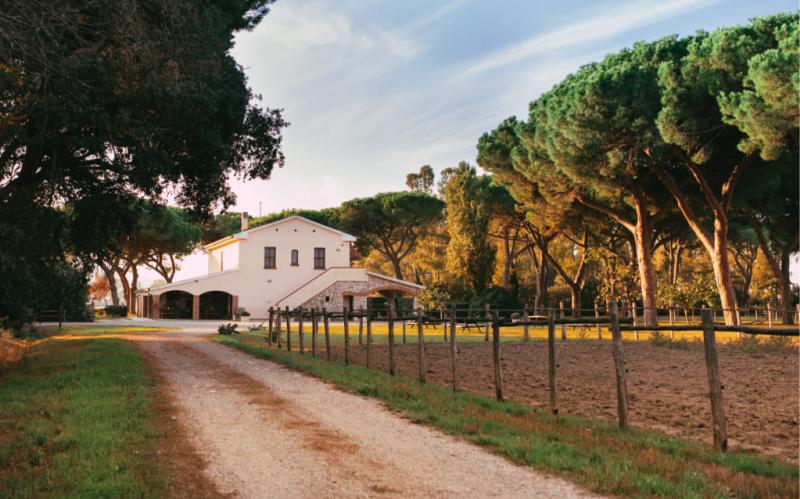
595	454
75	422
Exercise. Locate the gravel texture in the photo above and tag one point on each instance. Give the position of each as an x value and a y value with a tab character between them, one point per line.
267	431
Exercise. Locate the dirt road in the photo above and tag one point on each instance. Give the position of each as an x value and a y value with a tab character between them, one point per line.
266	431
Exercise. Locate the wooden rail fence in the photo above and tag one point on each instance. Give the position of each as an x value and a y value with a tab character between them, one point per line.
494	320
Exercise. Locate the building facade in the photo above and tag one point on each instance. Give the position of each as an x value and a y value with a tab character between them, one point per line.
291	262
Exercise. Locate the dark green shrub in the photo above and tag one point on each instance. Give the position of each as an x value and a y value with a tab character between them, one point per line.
116	311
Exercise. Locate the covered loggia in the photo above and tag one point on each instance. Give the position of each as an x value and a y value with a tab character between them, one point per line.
216	305
176	305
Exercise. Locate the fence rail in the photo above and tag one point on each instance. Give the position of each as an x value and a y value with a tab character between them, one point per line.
492	322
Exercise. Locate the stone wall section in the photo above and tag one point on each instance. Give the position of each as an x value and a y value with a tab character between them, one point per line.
333	297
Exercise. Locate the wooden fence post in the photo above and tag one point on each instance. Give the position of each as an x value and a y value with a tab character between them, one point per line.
369	338
346	320
420	346
714	384
633	316
454	349
597	316
619	368
392	370
300	332
278	327
392	365
326	324
551	360
769	313
498	375
671	322
269	329
488	314
444	324
525	328
403	320
288	329
314	330
361	327
563	324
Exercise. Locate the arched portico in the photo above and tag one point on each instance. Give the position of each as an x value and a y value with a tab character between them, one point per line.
175	304
216	305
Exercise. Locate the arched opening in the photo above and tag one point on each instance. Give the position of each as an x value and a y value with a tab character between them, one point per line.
176	305
216	305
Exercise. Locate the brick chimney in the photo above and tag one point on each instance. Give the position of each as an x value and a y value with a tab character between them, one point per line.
245	221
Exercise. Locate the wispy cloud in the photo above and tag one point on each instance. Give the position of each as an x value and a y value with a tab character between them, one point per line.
598	28
406	40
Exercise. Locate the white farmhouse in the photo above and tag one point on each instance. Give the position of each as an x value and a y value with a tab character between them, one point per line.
291	262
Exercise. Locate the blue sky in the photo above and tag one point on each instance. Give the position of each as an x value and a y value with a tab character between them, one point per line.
375	89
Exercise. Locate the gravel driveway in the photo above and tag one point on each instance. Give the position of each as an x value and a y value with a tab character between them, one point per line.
267	431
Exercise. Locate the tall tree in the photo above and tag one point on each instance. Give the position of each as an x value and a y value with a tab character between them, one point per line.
422	181
502	153
709	149
470	204
101	101
599	126
390	223
767	111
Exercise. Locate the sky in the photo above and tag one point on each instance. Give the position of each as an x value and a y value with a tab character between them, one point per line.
374	89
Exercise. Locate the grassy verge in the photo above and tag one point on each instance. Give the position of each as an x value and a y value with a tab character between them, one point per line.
75	422
595	454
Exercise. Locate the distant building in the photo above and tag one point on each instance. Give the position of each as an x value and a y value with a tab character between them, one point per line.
292	262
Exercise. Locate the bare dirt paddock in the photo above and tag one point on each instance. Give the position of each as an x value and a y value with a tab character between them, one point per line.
667	387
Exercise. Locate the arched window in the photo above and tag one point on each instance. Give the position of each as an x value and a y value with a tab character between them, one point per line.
295	258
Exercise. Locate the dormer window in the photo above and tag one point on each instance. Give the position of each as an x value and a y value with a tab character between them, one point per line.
269	257
295	258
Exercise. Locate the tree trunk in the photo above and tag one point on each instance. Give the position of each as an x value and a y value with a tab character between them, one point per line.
112	282
785	289
132	305
575	291
123	278
716	244
507	259
398	271
722	272
541	283
644	262
641	245
677	268
539	266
